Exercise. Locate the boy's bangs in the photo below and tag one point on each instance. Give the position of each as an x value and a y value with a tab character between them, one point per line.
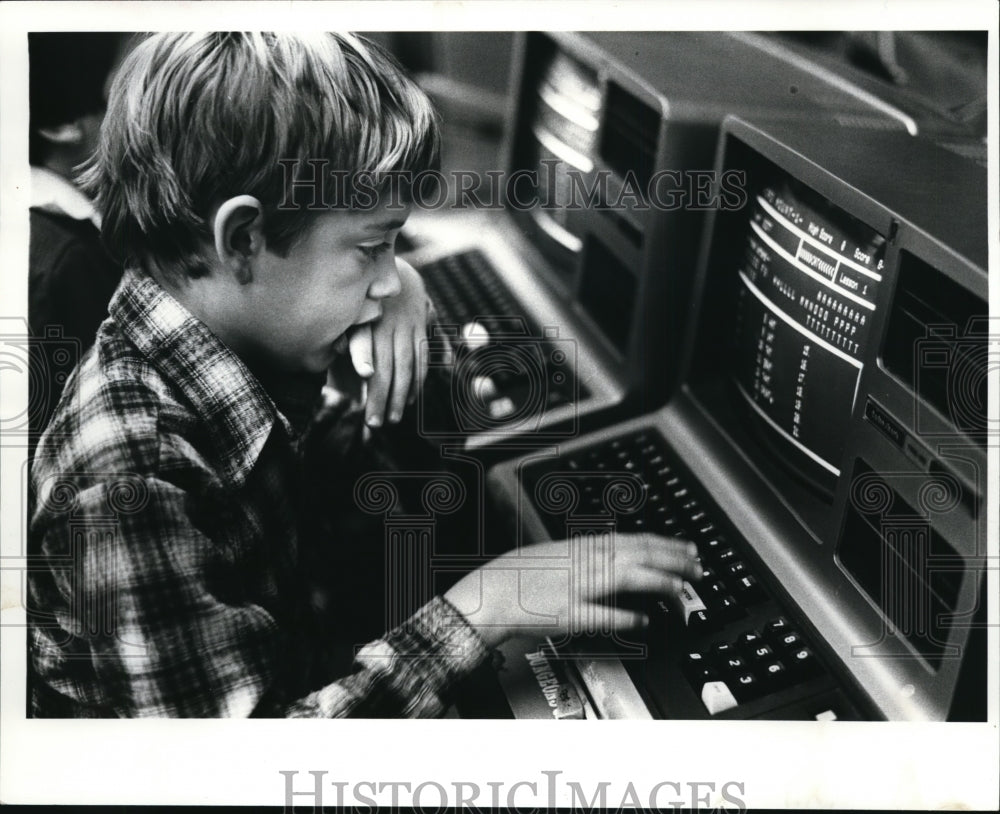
383	131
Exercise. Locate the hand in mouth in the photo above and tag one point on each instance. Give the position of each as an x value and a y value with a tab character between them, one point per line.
342	342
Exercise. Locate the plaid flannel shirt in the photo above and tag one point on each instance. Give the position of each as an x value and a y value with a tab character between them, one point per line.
168	521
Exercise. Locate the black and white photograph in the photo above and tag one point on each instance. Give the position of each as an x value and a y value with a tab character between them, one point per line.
611	396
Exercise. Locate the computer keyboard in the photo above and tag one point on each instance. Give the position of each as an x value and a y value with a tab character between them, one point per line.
729	646
466	288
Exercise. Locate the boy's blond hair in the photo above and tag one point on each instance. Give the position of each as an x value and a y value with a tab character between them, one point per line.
196	118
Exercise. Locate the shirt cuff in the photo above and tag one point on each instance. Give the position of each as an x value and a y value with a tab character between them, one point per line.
426	656
439	640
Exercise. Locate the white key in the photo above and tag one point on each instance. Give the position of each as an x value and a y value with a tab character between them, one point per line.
690	601
475	335
717	697
484	388
827	715
502	407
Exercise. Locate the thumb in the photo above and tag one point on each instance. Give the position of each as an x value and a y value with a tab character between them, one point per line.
362	349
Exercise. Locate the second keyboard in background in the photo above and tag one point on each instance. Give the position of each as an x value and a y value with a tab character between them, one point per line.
508	371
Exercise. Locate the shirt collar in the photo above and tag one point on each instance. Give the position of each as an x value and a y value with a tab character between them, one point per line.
223	392
51	192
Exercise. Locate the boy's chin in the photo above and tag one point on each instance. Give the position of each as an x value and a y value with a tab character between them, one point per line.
315	363
292	362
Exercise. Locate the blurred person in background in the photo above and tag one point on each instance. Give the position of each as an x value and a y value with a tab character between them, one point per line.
70	275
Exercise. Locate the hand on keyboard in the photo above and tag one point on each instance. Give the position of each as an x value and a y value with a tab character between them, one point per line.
572	586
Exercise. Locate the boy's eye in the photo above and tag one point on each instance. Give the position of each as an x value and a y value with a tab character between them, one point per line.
375	251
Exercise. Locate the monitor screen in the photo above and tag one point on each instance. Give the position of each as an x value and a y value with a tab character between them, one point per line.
557	137
807	283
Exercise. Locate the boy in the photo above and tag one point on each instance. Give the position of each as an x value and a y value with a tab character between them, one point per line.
168	486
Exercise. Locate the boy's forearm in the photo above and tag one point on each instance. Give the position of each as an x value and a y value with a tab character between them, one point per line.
467	597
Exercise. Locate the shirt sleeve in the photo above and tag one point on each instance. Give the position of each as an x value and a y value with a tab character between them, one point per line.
149	598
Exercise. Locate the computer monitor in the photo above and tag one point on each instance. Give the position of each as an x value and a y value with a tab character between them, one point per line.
842	348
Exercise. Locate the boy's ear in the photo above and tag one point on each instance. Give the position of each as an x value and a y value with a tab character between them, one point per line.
68	133
239	235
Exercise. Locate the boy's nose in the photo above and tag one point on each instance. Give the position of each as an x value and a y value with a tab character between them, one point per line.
387	283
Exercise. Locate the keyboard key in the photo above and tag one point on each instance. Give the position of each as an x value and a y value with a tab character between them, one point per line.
746	686
668	525
691	602
484	388
729	609
762	652
722	651
699	670
776	627
713	589
804	663
700	676
733	664
717	697
736	570
701	622
789	640
748	589
749	640
502	407
774	674
475	335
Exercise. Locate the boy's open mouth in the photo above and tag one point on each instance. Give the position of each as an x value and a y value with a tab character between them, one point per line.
340	344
